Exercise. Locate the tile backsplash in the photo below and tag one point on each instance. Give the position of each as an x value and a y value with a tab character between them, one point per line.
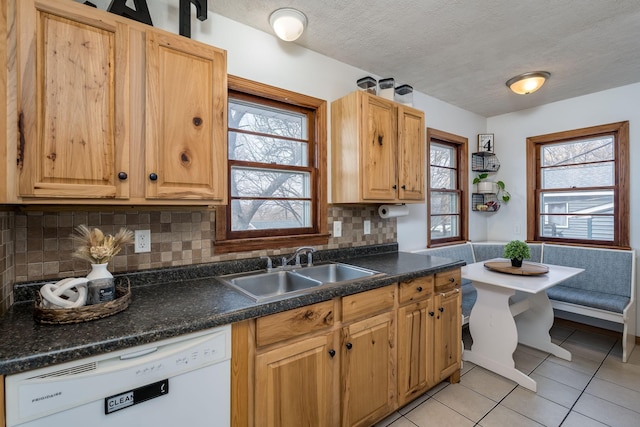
36	244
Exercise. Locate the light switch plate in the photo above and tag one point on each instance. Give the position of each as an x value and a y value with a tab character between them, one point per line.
367	226
337	228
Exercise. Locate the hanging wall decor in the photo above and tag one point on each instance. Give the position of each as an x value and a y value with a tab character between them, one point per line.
185	14
140	13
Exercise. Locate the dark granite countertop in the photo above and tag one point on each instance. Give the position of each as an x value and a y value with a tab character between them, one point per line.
176	307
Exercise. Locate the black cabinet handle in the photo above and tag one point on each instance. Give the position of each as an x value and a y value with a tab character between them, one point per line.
431	313
395	187
441	309
153	176
451	279
332	352
122	176
404	187
349	346
380	137
419	289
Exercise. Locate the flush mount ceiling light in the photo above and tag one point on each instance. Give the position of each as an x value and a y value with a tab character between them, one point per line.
288	23
527	83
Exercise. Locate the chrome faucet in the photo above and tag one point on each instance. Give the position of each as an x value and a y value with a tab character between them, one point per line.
269	263
308	249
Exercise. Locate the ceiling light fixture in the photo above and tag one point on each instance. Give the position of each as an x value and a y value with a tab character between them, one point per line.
527	83
288	23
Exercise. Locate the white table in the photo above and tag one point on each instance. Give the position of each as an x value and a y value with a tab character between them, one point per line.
511	309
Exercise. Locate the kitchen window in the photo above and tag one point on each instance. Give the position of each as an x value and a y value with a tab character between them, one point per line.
447	188
276	170
578	184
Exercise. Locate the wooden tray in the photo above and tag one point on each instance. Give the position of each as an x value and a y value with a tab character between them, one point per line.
527	269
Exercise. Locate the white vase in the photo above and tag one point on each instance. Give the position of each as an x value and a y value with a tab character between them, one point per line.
100	287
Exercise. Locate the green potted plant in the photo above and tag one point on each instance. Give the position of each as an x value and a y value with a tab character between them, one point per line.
497	187
516	251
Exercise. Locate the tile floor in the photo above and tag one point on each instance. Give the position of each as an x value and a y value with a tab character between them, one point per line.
594	389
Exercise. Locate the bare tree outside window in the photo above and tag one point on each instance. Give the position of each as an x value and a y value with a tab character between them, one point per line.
270	177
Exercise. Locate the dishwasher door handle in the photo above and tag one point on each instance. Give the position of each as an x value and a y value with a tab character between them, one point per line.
138	353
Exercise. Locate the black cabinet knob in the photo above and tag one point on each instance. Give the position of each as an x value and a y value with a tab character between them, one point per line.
153	176
431	313
395	187
441	309
404	187
349	346
332	352
451	279
419	289
122	176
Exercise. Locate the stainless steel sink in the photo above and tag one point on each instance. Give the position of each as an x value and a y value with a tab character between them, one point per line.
267	286
264	286
332	273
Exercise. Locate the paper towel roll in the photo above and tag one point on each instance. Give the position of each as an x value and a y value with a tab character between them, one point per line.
393	211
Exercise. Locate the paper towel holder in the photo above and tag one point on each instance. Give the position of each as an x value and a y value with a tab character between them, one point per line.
393	211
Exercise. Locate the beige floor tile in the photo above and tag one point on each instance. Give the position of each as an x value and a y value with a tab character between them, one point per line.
402	422
592	340
417	402
533	351
434	414
578	362
465	401
488	384
624	374
596	356
560	332
438	387
389	420
575	379
606	412
502	417
525	361
575	419
555	391
615	393
536	407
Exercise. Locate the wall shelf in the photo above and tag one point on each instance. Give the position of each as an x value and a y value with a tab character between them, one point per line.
484	162
484	202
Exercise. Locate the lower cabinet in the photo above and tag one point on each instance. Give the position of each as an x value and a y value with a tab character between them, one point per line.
294	384
367	373
310	367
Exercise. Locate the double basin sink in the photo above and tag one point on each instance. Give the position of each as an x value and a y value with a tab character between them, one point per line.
267	286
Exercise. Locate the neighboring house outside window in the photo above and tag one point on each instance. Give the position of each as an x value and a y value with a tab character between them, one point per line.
578	186
447	171
276	170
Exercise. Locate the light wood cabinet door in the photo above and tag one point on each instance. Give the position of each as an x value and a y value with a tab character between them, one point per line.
186	151
448	335
379	149
73	72
294	384
415	350
368	370
411	154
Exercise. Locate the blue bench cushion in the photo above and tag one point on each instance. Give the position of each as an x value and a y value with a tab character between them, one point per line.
606	271
469	295
485	251
594	299
456	252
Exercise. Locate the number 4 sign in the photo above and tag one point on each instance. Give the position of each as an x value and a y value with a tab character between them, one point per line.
485	142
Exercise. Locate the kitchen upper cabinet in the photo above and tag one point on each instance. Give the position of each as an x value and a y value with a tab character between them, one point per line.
112	111
74	88
185	113
377	150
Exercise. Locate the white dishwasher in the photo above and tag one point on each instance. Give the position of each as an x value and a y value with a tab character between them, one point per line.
183	381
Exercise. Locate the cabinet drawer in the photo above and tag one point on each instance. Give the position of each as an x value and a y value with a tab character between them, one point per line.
367	303
415	289
448	280
294	323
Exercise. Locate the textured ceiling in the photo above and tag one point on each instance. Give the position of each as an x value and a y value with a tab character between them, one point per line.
463	52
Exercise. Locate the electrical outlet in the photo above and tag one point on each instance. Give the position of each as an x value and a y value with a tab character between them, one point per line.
142	241
337	228
367	226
